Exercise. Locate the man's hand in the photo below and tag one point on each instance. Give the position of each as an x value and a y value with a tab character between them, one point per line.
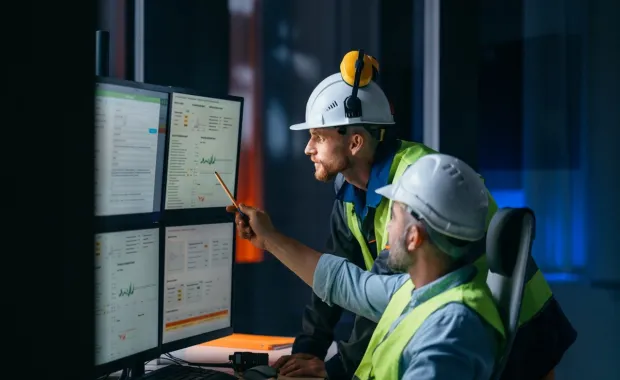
284	359
255	227
301	365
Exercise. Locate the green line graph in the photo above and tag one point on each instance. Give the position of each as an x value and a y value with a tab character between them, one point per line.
127	292
208	160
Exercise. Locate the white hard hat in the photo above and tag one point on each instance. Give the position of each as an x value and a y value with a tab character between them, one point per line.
325	107
444	192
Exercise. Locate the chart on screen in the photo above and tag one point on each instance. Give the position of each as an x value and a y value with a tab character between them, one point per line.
126	293
204	138
197	279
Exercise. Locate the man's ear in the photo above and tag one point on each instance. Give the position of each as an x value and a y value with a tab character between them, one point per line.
356	142
415	237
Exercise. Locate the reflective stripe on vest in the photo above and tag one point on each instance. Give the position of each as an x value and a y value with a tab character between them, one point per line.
382	357
536	292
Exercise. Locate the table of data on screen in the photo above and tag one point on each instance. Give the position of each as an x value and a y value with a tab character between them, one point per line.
197	279
128	139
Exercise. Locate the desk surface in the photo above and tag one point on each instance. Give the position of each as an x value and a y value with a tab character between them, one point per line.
206	354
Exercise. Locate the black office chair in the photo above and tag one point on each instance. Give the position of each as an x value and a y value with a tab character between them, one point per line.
509	245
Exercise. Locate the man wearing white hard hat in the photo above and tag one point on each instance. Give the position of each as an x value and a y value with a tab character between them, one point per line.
435	320
346	116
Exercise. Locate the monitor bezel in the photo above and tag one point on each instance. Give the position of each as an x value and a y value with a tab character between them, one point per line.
176	216
205	337
151	353
145	217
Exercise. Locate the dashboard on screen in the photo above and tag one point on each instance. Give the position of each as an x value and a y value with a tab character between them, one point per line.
197	280
126	293
130	130
204	138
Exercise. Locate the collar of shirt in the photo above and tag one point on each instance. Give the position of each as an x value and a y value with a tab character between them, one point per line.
379	177
446	282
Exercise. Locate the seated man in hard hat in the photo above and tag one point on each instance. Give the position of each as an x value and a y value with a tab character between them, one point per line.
346	115
435	321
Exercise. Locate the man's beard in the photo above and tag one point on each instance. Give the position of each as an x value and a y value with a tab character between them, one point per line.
327	171
399	259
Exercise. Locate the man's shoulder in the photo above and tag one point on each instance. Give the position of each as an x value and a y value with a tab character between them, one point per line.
454	314
455	321
410	152
416	146
459	337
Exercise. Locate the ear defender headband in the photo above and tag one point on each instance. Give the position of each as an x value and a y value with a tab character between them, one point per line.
358	70
375	68
352	104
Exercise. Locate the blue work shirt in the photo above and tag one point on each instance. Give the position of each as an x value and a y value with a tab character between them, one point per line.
379	177
452	343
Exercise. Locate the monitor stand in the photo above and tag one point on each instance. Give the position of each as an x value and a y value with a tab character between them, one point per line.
137	370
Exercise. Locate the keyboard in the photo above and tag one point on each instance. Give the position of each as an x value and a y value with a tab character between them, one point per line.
181	372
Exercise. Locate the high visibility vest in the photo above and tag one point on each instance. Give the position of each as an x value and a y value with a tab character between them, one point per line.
536	292
408	153
382	357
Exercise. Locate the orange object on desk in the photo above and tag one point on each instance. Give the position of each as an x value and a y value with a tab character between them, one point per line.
252	342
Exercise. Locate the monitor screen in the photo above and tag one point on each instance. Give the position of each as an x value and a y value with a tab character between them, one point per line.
197	280
204	138
130	129
126	293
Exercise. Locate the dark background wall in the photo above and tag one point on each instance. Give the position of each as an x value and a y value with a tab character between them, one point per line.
63	282
186	44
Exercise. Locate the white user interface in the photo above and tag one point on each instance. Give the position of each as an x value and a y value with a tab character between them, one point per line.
130	129
197	280
204	138
126	293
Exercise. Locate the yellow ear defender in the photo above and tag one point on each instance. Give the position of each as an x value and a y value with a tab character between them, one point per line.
369	71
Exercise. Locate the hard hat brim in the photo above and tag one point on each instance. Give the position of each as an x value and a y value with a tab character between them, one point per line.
299	127
387	192
304	126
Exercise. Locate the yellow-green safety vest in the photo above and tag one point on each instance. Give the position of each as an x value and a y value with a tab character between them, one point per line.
382	357
537	291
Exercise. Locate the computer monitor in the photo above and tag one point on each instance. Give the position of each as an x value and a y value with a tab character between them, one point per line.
197	291
130	128
127	290
204	138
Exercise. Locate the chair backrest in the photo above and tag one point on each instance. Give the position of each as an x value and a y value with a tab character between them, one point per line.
509	244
